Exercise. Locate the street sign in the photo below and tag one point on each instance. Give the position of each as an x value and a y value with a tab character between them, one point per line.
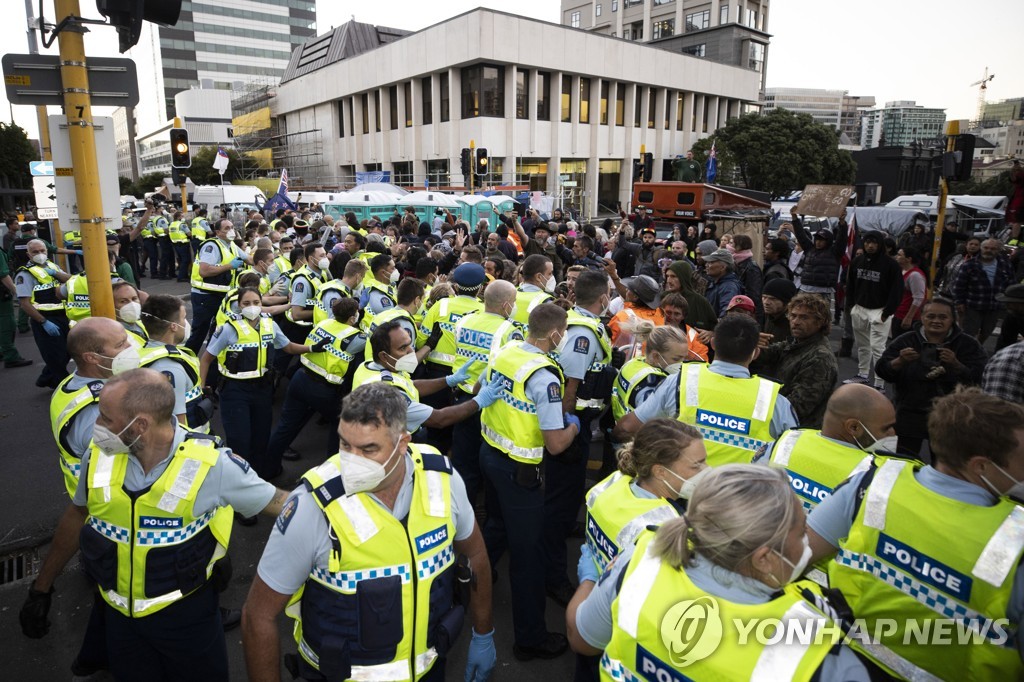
35	79
824	201
46	196
40	167
106	165
569	183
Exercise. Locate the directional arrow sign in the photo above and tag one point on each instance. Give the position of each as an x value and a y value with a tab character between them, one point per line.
43	186
40	167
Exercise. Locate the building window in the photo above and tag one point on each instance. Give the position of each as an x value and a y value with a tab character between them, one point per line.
597	10
408	104
662	2
620	104
366	112
668	109
393	106
652	106
604	103
679	111
615	5
566	115
695	50
637	100
522	92
376	104
698	20
663	28
756	56
341	118
574	19
723	15
752	18
630	3
483	91
427	98
543	96
584	100
445	98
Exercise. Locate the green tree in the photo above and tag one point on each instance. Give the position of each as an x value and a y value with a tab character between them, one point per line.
15	153
999	185
126	185
148	183
202	171
779	152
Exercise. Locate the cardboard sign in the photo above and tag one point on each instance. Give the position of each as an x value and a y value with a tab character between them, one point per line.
824	201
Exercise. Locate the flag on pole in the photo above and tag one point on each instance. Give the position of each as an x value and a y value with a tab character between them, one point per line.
280	199
851	238
220	163
712	169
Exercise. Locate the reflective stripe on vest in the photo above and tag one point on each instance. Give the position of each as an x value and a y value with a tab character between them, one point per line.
333	363
478	337
820	464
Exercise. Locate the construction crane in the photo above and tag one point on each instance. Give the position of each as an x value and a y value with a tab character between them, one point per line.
983	86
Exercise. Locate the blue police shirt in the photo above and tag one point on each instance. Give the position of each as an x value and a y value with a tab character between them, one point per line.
581	348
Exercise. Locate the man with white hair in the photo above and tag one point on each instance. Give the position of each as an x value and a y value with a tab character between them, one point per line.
38	289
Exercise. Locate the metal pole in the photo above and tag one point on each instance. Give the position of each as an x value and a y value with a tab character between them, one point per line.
472	163
78	108
952	130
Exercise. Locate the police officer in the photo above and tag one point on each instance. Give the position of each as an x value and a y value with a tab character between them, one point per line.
409	294
304	282
739	415
538	281
320	383
585	356
212	272
936	544
199	229
380	287
379	511
394	362
159	225
282	262
350	286
527	421
859	423
666	349
37	285
178	233
128	311
244	351
151	513
167	323
478	337
741	546
149	242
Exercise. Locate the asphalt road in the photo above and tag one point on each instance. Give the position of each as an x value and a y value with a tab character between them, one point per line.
35	497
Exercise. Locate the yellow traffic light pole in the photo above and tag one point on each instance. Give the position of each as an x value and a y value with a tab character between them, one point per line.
77	108
472	163
952	130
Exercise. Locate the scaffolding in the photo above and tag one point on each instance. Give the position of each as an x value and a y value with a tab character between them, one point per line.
255	130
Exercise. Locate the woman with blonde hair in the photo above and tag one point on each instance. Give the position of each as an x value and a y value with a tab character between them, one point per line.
657	352
734	558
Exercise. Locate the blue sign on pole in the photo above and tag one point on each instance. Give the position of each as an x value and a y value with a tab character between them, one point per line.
41	167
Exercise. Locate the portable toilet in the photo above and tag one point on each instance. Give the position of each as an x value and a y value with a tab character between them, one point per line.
426	202
472	207
364	204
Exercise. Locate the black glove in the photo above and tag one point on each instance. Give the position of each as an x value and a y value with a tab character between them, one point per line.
320	346
34	622
435	336
618	358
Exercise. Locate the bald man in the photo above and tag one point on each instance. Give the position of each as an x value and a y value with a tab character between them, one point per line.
859	423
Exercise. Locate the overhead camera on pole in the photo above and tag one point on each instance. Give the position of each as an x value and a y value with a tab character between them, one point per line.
127	16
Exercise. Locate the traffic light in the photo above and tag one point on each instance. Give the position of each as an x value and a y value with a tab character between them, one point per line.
181	154
481	161
127	17
965	145
648	166
638	170
467	162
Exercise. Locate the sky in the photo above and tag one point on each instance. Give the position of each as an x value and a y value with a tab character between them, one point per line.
929	51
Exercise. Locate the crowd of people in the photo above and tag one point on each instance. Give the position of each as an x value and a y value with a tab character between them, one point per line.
463	372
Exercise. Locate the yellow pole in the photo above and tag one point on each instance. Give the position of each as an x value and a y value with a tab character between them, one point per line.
472	163
952	130
77	107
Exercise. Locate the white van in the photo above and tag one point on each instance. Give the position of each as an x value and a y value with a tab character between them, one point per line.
237	197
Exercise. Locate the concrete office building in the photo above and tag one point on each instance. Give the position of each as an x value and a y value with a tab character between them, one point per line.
901	123
125	131
204	113
216	44
550	103
1002	112
824	106
1008	139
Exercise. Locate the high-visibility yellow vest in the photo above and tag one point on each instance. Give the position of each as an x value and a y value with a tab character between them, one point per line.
734	415
315	283
409	567
478	337
46	289
526	301
159	226
400	380
616	516
815	464
177	233
218	283
77	305
632	374
914	556
150	550
252	353
511	424
446	312
597	365
320	311
65	405
284	265
388	315
652	589
199	231
194	418
333	363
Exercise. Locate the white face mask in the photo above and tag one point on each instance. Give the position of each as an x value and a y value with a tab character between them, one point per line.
39	259
801	564
549	285
674	368
110	443
407	363
187	332
130	312
560	346
1016	491
880	446
230	236
689	484
251	312
361	474
324	263
395	276
128	358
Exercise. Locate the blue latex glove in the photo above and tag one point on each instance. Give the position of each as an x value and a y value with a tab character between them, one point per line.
461	375
237	263
573	419
79	252
52	272
50	328
586	569
481	658
489	393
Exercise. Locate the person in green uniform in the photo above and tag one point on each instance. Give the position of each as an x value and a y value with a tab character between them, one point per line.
8	351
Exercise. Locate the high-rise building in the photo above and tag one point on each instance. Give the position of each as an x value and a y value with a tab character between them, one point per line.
733	33
824	106
218	45
901	123
852	113
1002	112
124	141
